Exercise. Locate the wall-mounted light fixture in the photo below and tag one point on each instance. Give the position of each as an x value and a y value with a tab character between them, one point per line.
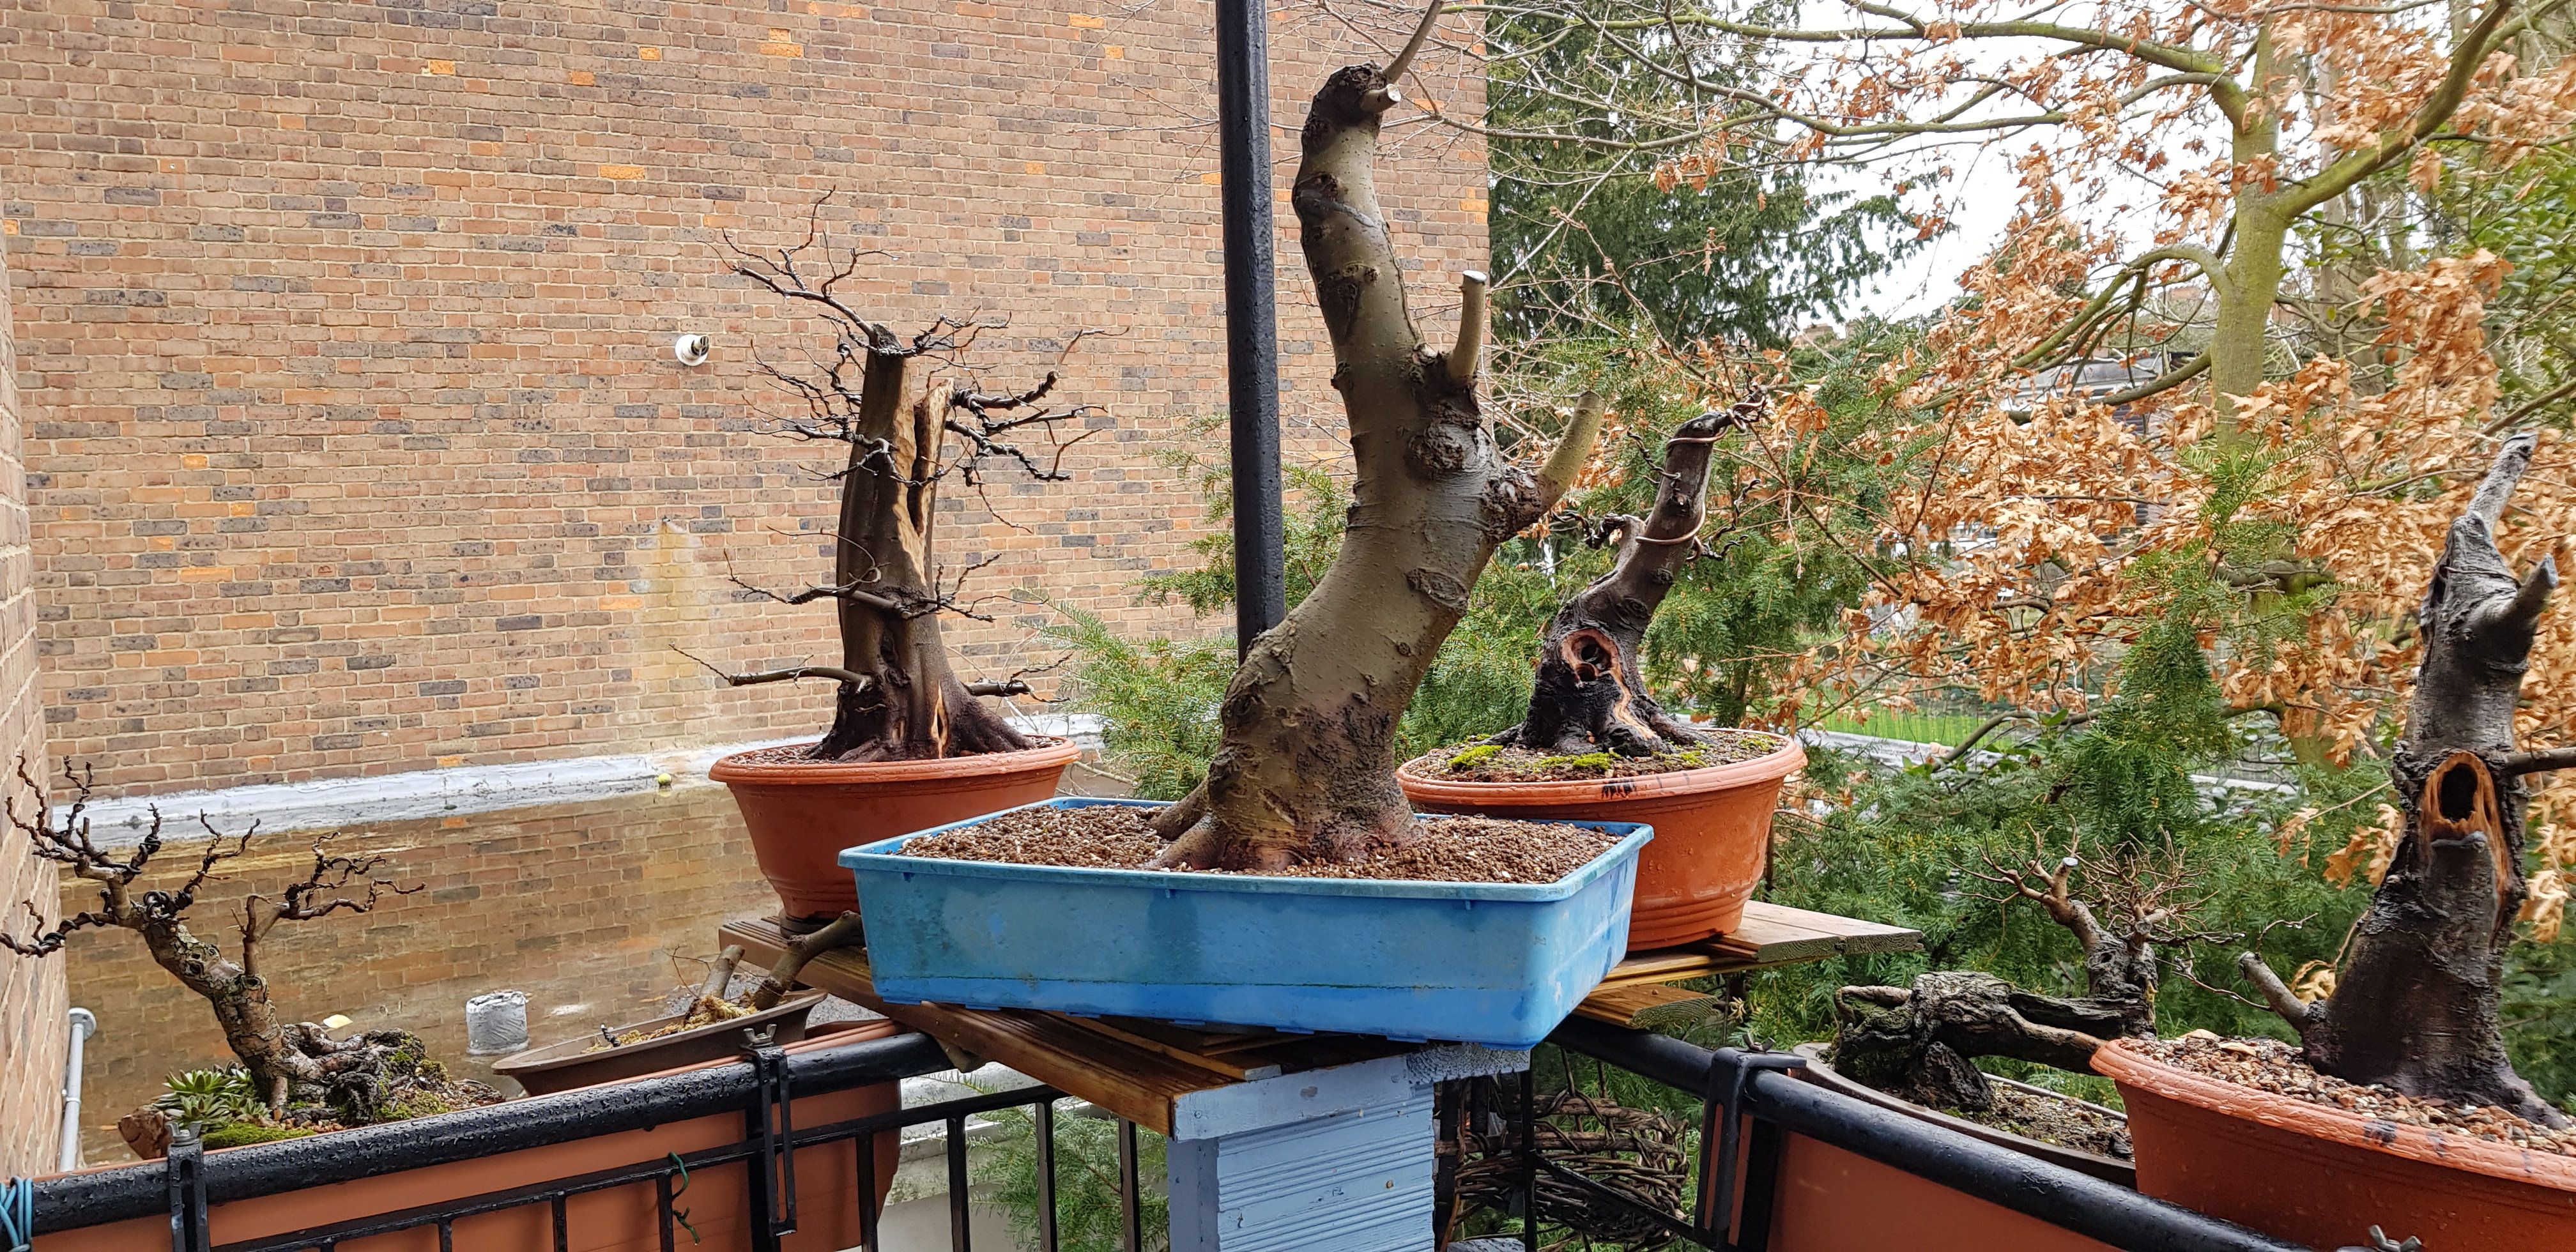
691	349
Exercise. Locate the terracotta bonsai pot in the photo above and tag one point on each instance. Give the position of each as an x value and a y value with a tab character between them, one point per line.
1712	833
1821	1072
802	813
2323	1176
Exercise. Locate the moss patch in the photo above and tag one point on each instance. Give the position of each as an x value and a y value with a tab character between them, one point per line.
241	1134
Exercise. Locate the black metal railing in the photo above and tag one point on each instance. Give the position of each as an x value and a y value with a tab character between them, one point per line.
1749	1106
188	1183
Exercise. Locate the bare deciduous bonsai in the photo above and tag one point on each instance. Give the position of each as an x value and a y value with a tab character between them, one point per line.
2414	1006
1305	769
378	1075
898	699
1920	1042
1588	696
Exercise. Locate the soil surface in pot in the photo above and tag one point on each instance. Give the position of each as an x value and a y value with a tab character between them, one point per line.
2062	1122
1452	849
795	754
2274	1066
1494	763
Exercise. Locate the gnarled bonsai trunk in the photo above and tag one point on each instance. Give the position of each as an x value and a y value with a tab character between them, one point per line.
911	706
1306	766
1919	1043
363	1078
1589	695
2415	1006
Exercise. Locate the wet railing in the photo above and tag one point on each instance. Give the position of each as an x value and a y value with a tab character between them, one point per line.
190	1185
1750	1111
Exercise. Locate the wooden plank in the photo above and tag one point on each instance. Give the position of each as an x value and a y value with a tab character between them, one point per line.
1135	1083
1205	1040
1763	938
1646	1005
1858	936
1769	937
1240	1071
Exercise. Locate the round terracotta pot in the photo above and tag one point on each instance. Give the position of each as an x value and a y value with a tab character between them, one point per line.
2323	1176
802	813
1712	833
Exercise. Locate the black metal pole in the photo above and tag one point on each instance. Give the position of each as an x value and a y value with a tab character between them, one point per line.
1251	315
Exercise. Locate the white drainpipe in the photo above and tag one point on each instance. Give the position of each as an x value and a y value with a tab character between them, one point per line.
83	1024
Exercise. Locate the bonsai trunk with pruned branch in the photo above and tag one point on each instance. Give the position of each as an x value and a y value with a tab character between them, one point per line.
1920	1042
2415	1004
1305	769
364	1078
1589	695
897	698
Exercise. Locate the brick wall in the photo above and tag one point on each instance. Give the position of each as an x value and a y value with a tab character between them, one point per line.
361	445
596	910
32	1022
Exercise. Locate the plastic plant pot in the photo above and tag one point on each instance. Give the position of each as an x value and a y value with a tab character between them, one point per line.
1491	963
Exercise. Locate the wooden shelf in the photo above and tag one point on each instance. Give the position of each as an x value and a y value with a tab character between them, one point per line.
1136	1069
1636	992
1140	1069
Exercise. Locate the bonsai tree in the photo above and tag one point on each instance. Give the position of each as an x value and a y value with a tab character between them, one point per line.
1588	696
912	417
1305	767
2414	1006
1920	1042
300	1067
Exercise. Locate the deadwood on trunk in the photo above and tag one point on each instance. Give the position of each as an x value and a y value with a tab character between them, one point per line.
2414	1007
1306	766
362	1077
896	697
1588	695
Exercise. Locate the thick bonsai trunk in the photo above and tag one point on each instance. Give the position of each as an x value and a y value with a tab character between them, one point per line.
1919	1044
2415	1005
361	1077
1306	766
912	706
1589	695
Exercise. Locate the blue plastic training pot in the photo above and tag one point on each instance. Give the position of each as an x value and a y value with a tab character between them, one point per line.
1490	963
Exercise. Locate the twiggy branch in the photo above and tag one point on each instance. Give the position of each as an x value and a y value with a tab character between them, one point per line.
791	674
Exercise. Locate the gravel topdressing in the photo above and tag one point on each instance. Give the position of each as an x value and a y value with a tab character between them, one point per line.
1451	849
1485	762
2274	1066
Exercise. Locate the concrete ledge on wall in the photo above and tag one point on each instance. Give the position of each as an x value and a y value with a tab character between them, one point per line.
416	794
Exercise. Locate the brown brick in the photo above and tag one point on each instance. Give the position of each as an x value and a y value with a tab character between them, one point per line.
369	359
33	1024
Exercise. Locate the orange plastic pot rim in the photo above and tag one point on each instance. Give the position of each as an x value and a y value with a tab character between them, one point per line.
733	769
1687	782
2467	1153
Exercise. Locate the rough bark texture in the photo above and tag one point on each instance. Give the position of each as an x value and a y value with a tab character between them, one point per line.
1588	695
1921	1044
913	707
2415	1005
1306	766
364	1078
1918	1044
